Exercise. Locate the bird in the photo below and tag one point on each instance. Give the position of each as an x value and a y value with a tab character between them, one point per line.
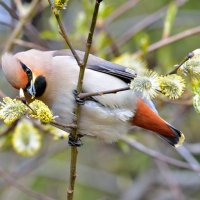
51	76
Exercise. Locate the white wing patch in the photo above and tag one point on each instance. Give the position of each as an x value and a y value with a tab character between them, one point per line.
103	122
105	112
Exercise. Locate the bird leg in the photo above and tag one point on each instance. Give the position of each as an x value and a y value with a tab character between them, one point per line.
75	142
78	99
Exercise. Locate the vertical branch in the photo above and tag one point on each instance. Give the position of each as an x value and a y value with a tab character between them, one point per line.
82	65
88	46
74	151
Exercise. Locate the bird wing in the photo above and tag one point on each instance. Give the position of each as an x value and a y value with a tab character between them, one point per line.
101	65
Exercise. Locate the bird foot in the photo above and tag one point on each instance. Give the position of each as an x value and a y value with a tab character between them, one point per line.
78	99
74	143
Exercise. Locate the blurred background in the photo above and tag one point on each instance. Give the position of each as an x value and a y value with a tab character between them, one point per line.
154	34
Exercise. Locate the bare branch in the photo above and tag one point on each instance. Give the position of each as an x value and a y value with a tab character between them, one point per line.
157	155
63	126
29	45
100	93
9	179
74	151
30	30
9	10
82	66
63	33
172	39
20	25
171	181
9	129
6	24
150	19
120	11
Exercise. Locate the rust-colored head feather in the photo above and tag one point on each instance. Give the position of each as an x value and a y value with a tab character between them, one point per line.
13	71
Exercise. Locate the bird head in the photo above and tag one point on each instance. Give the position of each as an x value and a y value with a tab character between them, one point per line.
21	74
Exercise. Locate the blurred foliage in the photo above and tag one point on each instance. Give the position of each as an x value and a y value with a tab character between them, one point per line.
26	137
13	109
60	4
172	86
111	171
169	20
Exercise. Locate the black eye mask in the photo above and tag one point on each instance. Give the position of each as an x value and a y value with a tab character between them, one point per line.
39	84
27	71
29	75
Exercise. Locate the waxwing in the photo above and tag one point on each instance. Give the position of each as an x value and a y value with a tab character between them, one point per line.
51	76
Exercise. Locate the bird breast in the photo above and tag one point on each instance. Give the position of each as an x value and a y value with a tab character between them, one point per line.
98	117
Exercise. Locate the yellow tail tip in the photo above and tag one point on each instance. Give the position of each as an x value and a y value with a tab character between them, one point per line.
181	140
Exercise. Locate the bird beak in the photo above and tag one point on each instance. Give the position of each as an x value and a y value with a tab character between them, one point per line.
31	88
21	93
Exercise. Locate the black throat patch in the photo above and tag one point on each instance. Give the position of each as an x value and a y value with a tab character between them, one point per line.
40	86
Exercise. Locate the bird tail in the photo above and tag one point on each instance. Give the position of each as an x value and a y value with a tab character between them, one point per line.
146	118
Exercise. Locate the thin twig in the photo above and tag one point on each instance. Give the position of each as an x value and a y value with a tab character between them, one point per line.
82	65
144	23
120	11
32	164
29	45
63	33
30	31
64	126
9	179
9	10
20	25
150	19
171	181
186	102
53	123
172	39
9	129
123	8
113	46
74	151
194	148
100	93
6	24
174	71
157	155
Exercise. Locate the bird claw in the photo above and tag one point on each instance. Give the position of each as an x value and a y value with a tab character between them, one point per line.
74	143
78	99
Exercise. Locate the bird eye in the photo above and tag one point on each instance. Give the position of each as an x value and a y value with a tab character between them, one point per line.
28	71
